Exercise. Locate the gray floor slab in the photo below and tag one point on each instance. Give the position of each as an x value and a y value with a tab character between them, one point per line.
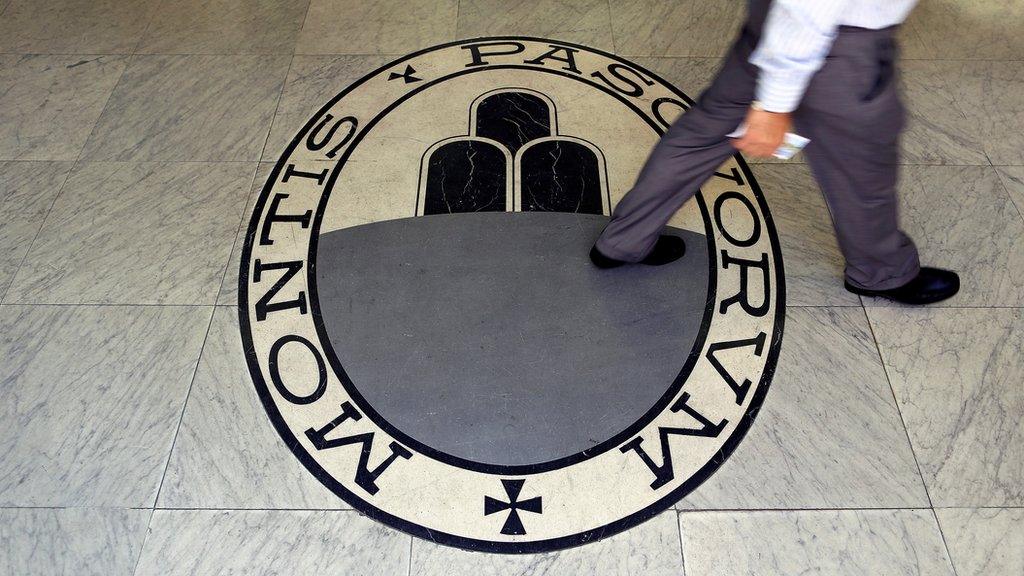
532	342
74	26
90	399
224	27
839	543
48	104
200	542
227	453
204	108
84	541
136	233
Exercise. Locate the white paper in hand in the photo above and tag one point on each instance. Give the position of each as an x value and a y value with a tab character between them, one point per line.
791	143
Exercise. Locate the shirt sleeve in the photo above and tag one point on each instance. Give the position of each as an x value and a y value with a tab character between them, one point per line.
797	36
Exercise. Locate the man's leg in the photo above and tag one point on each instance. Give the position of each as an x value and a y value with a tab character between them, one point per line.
685	157
853	116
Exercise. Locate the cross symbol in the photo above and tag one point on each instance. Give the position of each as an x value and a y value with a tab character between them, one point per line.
513	525
407	75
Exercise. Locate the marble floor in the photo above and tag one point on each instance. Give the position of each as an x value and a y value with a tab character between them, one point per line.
133	135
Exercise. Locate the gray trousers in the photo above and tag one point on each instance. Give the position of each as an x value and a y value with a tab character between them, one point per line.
853	116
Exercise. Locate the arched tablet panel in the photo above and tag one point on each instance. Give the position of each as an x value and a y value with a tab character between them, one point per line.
465	174
561	174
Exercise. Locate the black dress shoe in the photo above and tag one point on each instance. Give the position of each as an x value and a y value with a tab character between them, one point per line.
666	249
931	285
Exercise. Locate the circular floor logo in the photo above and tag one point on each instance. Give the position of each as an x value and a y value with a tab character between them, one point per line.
425	330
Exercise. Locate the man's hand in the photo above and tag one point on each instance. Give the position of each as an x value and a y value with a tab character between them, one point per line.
765	132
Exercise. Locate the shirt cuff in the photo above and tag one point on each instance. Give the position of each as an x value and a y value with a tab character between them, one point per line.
781	92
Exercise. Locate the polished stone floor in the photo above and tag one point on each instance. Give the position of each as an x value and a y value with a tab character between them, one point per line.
132	137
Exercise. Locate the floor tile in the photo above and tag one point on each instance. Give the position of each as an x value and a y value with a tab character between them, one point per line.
962	218
74	26
1013	181
224	27
586	22
957	376
814	265
271	542
682	28
828	434
970	29
91	397
48	104
136	233
650	549
937	130
382	27
991	95
837	543
228	454
312	82
82	541
190	108
984	541
27	190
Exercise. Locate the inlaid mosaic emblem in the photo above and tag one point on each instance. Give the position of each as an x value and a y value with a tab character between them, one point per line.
429	338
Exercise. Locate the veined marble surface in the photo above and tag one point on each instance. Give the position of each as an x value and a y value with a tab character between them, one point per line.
957	376
838	543
381	27
73	27
136	233
682	28
27	190
984	541
204	108
90	398
48	104
227	454
46	541
224	27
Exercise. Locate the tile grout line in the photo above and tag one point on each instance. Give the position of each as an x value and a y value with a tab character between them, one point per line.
145	538
67	177
149	23
906	431
1002	182
184	404
679	530
611	27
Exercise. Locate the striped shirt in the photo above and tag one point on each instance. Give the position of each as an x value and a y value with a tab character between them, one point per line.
797	36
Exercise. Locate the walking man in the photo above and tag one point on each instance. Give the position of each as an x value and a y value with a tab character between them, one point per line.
826	67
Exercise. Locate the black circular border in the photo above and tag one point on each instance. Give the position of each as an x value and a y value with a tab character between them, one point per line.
452	539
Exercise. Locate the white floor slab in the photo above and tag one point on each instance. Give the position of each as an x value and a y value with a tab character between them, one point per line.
90	398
